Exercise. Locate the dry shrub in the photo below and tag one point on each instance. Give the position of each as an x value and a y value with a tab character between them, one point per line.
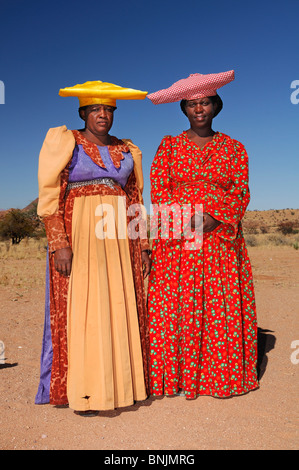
251	240
287	227
250	226
264	229
275	239
278	240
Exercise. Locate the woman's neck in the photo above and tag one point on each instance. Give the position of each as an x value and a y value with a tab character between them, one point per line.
200	137
102	140
201	133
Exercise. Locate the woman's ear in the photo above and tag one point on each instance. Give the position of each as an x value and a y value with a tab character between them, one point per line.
82	114
215	106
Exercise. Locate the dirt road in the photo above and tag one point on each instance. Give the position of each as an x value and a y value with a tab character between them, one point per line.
264	419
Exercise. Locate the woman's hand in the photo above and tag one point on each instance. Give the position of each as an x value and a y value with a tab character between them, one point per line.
63	261
208	222
146	261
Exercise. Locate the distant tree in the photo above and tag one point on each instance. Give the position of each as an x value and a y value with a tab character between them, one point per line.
32	212
287	227
39	231
16	225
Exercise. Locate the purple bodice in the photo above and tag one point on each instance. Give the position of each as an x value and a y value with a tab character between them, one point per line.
83	168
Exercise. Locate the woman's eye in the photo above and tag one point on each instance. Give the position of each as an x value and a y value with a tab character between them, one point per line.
107	109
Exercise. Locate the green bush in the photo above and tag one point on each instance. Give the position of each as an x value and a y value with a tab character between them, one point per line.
16	225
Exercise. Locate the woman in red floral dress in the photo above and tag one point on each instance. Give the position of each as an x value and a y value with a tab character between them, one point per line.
202	316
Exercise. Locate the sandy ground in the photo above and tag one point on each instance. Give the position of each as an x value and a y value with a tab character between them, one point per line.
264	419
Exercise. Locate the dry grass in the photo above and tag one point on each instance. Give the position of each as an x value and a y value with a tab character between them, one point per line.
27	248
274	239
22	266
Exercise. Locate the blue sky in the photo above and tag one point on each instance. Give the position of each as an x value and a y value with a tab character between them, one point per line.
47	45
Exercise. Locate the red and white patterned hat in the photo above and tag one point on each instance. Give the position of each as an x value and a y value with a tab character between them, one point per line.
195	86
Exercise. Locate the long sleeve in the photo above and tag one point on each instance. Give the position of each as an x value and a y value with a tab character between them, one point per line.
166	220
134	189
231	208
54	158
54	224
161	185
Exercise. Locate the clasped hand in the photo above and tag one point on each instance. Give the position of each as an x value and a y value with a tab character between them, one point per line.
208	222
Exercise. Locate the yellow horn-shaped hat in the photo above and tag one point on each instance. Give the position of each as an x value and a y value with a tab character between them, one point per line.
98	92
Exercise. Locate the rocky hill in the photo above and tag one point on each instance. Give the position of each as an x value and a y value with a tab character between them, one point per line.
269	221
27	208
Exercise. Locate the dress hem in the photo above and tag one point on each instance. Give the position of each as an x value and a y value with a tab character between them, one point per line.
231	395
107	408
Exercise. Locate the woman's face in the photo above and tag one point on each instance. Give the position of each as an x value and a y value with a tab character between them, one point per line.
200	112
98	118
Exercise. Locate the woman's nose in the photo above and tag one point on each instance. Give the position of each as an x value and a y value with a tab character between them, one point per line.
102	111
198	108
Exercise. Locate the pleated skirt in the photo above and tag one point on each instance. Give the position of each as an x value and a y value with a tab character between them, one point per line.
105	366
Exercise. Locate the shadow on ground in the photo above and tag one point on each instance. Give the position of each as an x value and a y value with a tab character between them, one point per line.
266	342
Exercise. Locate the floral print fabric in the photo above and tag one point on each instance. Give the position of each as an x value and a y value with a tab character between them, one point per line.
116	149
202	316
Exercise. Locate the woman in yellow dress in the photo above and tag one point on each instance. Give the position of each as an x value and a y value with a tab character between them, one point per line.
95	344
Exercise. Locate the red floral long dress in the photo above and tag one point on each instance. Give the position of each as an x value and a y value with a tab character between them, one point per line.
202	315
